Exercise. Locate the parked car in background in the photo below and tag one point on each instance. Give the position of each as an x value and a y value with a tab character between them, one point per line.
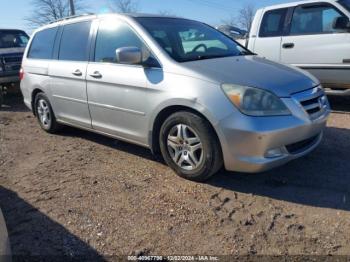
176	86
5	251
313	35
12	45
233	32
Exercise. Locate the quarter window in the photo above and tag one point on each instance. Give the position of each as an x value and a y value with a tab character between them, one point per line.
42	44
113	34
273	23
314	20
74	42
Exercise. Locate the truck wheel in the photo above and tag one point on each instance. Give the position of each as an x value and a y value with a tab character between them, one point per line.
190	146
45	114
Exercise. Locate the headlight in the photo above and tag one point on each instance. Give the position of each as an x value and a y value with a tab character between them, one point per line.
254	101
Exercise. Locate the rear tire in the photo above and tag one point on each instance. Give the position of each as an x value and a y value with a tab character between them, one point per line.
190	146
45	114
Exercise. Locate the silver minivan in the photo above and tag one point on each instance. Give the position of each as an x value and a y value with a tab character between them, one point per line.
176	86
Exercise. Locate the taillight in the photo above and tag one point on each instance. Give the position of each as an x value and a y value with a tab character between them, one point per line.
21	74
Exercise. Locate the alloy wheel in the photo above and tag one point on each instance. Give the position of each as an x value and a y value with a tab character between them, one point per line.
44	113
185	147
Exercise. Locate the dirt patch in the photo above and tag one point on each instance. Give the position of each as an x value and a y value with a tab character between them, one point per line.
81	193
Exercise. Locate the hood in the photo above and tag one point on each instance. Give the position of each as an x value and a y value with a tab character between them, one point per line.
9	51
254	71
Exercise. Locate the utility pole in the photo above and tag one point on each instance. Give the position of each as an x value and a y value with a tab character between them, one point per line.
72	8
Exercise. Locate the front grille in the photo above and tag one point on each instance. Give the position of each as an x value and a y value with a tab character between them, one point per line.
11	62
313	101
12	59
301	146
314	105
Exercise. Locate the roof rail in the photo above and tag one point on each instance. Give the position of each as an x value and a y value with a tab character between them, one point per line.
71	17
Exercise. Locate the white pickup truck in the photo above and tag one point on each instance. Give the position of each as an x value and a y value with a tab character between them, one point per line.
313	35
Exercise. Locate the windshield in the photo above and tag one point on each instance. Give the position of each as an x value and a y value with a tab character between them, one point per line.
13	39
345	3
186	40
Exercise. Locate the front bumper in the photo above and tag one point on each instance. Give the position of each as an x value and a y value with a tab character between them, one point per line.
9	79
257	144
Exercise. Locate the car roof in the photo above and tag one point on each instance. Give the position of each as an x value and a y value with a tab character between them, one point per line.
297	3
87	17
92	16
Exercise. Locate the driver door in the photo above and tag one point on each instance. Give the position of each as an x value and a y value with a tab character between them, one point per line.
117	93
312	42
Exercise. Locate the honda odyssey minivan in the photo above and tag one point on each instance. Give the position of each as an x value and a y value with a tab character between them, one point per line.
176	86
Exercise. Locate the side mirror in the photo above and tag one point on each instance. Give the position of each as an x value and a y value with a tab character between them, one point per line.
129	55
341	23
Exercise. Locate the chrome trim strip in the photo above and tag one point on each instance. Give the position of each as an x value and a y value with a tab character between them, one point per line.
308	94
70	99
316	92
312	106
117	108
344	66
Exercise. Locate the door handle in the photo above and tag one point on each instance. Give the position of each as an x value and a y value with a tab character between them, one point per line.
77	73
96	74
288	45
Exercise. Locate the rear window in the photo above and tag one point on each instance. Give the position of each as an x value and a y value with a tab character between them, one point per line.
74	42
13	39
42	44
273	23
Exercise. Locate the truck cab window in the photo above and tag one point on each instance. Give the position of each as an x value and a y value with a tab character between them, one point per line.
273	23
314	20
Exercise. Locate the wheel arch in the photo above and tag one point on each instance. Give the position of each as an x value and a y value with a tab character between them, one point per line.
164	113
34	94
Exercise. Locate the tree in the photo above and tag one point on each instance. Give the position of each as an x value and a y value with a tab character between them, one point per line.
231	21
124	6
46	11
246	16
166	12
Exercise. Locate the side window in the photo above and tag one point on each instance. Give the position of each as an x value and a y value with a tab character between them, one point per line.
314	20
113	34
273	23
42	44
74	42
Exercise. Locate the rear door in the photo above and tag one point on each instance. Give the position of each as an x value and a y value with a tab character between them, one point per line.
68	74
268	41
312	42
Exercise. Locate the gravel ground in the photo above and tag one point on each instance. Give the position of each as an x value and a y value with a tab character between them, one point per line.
78	193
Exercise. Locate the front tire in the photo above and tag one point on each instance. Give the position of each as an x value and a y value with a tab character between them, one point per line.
190	146
44	114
